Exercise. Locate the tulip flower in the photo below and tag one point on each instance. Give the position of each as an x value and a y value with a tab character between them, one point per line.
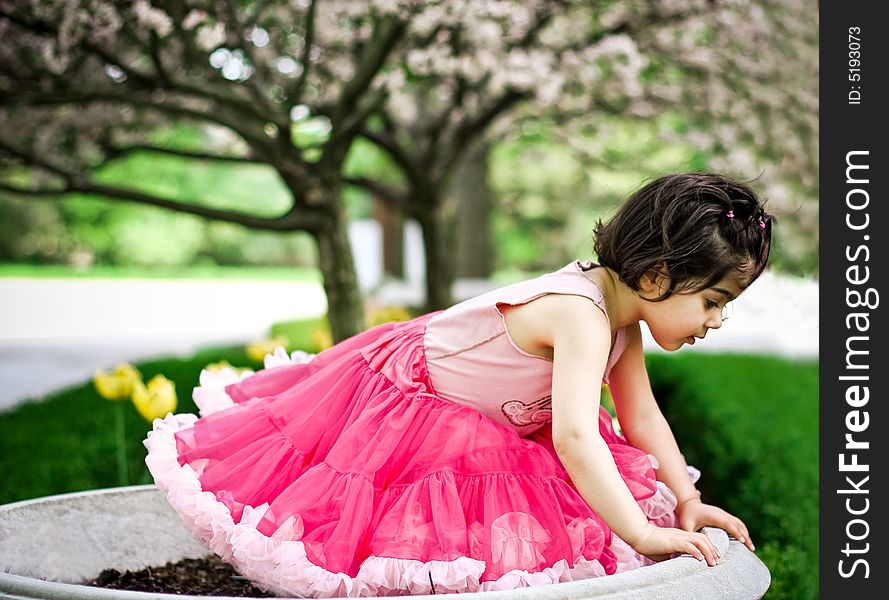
608	402
155	400
388	314
281	359
117	385
321	339
224	364
257	350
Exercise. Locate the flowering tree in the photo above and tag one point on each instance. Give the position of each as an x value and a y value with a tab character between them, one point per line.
493	63
83	83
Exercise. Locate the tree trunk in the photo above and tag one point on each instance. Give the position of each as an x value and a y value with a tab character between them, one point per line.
345	309
436	225
392	225
473	228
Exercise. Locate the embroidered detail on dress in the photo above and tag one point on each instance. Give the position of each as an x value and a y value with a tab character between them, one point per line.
522	415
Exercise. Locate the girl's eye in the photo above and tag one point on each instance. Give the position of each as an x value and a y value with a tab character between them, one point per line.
712	304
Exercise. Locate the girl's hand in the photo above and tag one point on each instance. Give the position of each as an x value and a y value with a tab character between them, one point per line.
658	543
694	514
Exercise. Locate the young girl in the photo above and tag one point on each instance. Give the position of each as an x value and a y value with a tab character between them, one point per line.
467	449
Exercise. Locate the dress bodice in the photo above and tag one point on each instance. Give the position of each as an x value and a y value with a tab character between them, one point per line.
473	361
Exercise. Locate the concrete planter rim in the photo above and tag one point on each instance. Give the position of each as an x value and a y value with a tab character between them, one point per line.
741	572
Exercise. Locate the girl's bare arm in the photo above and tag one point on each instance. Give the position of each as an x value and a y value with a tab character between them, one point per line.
644	426
641	420
580	336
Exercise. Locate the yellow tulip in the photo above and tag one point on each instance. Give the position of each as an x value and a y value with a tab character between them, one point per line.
321	339
156	399
117	385
388	314
257	350
608	402
224	364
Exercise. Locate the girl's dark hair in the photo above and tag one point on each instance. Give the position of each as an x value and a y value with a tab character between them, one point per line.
700	226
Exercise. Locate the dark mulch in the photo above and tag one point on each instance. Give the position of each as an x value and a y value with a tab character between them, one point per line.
208	576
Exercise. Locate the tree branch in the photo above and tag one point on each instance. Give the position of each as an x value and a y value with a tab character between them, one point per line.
260	79
192	55
300	216
385	34
256	139
114	153
308	221
163	77
349	127
636	27
162	80
469	128
387	143
396	198
290	221
295	93
542	18
78	182
33	159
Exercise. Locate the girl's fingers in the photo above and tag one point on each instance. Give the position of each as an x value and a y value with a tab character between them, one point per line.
739	530
716	555
694	551
746	538
709	551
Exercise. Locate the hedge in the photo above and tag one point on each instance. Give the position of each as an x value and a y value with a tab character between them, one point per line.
750	423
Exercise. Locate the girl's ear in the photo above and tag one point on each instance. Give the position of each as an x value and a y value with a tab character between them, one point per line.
656	281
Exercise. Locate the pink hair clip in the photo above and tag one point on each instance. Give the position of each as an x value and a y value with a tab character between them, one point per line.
730	214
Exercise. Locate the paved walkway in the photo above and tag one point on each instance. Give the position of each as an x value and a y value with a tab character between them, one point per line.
56	332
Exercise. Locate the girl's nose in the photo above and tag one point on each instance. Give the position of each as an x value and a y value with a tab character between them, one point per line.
716	318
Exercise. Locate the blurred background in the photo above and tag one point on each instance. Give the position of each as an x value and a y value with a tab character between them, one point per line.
185	183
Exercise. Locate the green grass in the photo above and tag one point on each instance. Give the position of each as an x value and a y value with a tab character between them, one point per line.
750	424
160	272
301	333
66	442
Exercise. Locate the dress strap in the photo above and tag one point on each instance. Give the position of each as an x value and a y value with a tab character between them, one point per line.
617	348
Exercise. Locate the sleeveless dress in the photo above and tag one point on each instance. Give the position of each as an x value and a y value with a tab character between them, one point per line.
413	458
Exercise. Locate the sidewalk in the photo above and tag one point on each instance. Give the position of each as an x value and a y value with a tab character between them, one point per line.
56	332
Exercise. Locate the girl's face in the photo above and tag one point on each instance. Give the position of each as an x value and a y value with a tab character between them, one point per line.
681	318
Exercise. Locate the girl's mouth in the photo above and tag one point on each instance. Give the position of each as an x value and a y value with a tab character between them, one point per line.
690	340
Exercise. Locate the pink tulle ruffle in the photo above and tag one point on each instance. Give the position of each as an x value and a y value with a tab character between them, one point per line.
289	450
279	563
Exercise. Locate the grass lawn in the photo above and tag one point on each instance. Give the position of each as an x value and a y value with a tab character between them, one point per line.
178	272
750	423
66	442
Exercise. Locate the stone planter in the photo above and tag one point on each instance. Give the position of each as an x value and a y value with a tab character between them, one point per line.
49	545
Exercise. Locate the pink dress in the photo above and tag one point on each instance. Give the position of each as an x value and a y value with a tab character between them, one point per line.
413	458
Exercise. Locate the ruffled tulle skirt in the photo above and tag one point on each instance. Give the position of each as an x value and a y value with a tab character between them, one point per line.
334	477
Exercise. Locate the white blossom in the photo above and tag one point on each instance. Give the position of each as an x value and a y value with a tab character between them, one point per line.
193	18
210	36
153	17
104	21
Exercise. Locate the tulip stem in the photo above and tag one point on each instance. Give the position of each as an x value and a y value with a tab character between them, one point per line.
122	477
